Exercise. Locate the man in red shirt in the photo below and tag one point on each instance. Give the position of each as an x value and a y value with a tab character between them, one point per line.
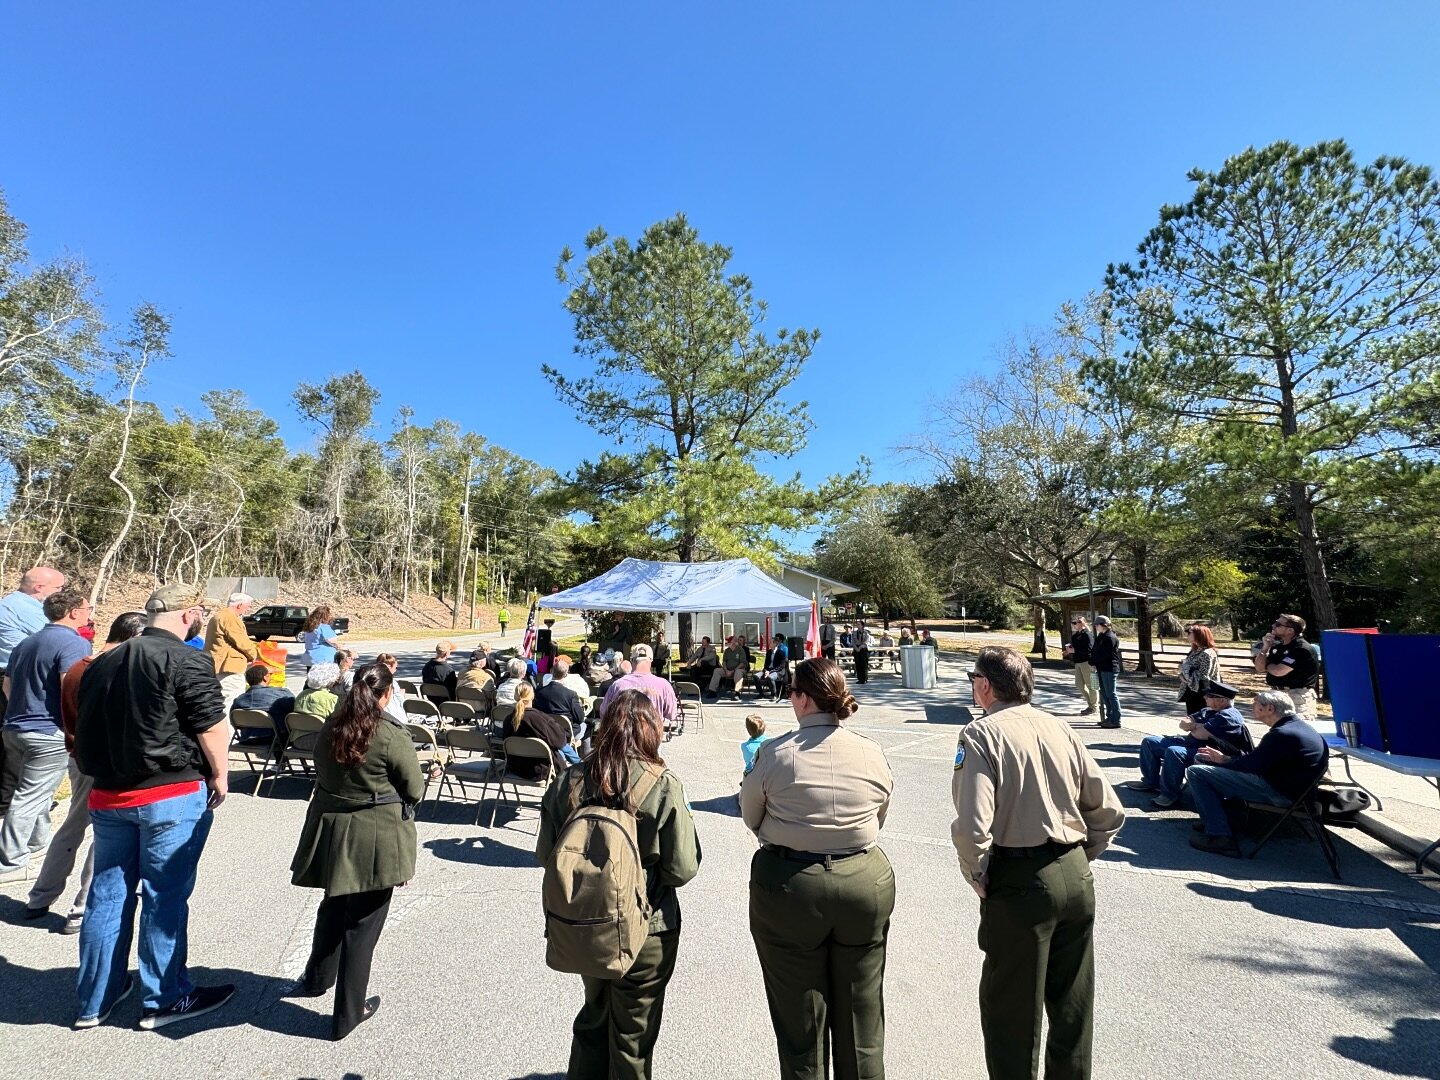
153	736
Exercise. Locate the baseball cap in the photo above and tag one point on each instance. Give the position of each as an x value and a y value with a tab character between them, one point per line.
641	652
1102	620
174	598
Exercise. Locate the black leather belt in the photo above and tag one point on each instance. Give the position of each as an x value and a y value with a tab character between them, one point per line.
811	858
1050	847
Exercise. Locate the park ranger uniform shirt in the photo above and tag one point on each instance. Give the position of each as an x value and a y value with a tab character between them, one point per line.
1023	778
823	789
1299	657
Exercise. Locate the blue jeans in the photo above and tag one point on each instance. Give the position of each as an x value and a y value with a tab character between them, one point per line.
1109	703
1163	761
570	754
157	847
1211	785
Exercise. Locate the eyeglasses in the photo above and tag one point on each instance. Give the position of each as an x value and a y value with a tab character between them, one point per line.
973	675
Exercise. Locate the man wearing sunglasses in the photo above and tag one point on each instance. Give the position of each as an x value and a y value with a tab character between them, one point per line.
1289	665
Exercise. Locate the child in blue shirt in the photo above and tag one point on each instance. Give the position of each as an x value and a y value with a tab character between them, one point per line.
755	725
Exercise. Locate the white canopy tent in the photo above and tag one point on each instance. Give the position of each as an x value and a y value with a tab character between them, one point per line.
640	585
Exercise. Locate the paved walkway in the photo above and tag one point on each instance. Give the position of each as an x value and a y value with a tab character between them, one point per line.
1207	966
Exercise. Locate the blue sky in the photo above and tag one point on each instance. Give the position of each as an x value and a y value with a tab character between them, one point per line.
310	188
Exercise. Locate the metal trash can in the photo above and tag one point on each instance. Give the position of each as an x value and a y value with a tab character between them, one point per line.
917	667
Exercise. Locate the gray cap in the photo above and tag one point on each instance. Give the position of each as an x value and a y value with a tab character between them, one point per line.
1102	620
174	598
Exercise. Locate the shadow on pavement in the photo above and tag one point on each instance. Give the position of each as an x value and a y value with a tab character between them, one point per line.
725	805
1413	1049
37	996
479	851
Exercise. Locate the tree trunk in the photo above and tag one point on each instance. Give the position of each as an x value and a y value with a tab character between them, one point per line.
109	557
685	632
1144	645
1321	599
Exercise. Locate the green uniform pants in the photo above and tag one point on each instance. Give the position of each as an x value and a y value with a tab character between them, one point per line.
1036	924
617	1027
820	933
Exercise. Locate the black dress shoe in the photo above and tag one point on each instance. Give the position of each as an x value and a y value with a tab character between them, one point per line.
372	1006
36	912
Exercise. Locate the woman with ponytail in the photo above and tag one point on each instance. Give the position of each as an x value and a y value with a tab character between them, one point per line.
530	722
821	890
615	1033
358	842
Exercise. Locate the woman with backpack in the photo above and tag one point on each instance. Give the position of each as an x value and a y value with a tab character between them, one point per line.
358	843
624	785
821	890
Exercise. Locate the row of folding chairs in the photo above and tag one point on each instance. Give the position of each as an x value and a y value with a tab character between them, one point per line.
459	752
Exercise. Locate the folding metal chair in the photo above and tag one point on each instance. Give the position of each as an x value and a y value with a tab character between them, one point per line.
684	691
480	764
519	748
458	712
302	736
436	692
1313	814
264	753
425	711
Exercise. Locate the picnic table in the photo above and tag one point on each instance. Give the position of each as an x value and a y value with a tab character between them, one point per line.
1406	765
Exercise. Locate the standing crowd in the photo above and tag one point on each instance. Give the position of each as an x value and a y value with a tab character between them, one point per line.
143	730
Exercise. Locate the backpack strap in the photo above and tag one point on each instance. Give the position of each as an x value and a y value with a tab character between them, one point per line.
642	788
580	794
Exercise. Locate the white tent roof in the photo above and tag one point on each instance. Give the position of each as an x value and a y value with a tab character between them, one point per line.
638	585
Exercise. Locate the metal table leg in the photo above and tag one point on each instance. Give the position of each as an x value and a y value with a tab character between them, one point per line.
1420	862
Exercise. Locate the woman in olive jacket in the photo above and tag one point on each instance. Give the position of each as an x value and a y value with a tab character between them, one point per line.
358	842
615	1032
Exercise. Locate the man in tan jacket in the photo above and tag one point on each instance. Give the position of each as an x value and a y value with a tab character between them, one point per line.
229	645
1032	810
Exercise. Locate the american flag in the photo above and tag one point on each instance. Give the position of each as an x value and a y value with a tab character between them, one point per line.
527	643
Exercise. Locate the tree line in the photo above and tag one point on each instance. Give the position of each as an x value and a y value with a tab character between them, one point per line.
1242	419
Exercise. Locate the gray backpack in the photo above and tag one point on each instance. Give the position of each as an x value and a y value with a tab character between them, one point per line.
597	914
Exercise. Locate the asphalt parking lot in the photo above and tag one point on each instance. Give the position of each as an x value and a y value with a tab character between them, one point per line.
1207	966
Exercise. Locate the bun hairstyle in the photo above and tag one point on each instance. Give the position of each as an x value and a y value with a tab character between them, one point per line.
354	723
821	680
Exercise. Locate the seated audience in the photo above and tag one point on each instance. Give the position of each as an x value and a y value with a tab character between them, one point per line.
477	676
735	664
530	722
438	669
515	672
323	688
275	700
595	675
703	662
1164	758
394	704
1291	756
775	678
558	699
345	661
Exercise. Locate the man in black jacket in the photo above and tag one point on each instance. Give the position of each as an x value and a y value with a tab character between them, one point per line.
557	699
1078	651
1290	758
152	732
1105	658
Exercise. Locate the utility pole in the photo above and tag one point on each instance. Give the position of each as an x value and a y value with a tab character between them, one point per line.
489	574
474	586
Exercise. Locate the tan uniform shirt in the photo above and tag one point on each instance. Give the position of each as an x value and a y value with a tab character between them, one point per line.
823	788
228	644
1023	778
